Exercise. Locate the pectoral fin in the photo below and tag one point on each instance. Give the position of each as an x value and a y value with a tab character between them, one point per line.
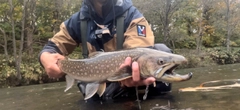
91	89
101	89
119	77
124	69
69	81
121	74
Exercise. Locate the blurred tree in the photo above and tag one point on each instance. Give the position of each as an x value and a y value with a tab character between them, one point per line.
160	14
12	21
231	19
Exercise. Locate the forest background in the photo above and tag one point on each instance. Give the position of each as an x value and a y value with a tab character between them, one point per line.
207	32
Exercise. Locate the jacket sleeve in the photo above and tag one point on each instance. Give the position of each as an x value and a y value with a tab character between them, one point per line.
61	43
64	41
138	32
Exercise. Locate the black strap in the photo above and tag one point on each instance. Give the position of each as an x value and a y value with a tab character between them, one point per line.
120	30
83	29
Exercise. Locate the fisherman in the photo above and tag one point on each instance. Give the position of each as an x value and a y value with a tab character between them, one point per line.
101	17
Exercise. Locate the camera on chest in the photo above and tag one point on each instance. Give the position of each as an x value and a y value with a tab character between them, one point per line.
100	32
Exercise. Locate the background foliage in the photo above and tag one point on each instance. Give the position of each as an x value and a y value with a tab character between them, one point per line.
208	29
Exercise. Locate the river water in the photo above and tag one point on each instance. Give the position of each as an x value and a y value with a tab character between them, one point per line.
52	97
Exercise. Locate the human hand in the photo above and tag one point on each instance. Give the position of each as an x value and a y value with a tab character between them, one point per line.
136	79
49	62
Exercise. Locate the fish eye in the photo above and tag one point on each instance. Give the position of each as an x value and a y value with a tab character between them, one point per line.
160	61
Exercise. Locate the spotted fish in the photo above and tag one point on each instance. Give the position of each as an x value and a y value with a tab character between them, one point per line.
101	67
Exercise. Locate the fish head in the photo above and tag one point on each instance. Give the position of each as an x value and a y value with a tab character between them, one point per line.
158	63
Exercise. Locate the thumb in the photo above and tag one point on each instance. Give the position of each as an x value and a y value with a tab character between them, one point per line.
59	56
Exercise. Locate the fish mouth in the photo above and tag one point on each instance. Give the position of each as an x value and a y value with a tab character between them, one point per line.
166	69
167	74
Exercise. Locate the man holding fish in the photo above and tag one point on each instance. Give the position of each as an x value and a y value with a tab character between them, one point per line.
101	35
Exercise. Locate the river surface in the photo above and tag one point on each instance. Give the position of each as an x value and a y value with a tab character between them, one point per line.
52	97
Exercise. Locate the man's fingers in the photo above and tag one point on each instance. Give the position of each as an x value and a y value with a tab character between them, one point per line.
54	72
130	83
58	56
149	81
135	72
50	64
136	79
61	57
128	61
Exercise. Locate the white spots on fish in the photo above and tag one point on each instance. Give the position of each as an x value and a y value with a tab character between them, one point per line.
115	61
103	60
75	73
82	64
91	71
